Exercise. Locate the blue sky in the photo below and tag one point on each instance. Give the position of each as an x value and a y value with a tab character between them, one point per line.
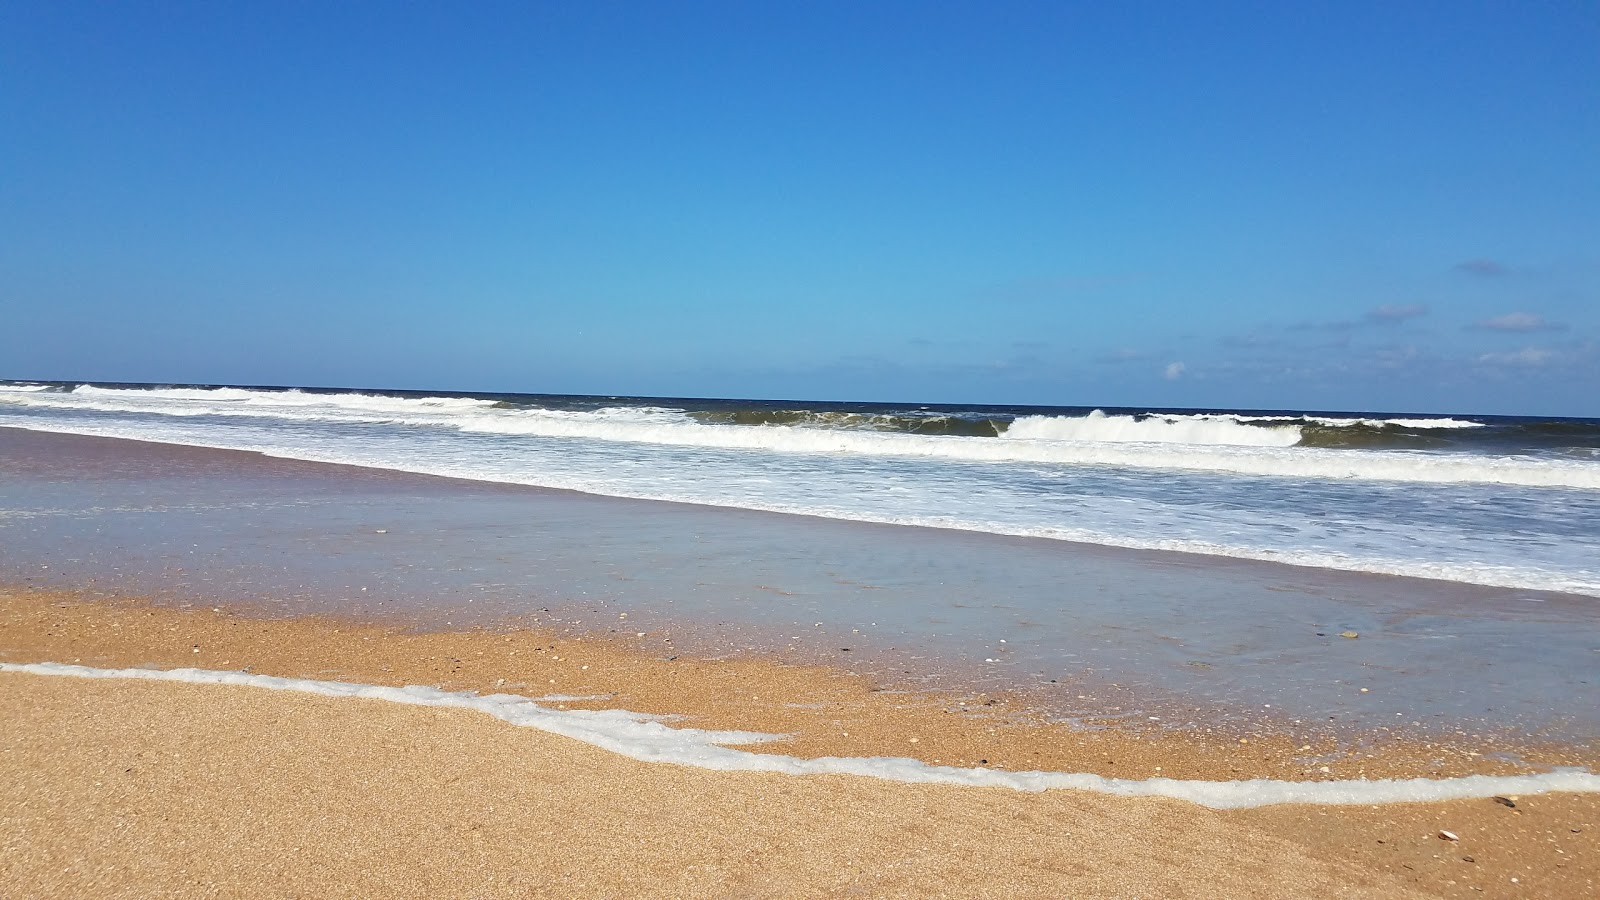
1339	206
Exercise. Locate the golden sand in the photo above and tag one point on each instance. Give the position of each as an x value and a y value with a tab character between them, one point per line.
134	788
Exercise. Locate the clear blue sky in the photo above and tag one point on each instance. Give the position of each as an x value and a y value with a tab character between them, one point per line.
1340	205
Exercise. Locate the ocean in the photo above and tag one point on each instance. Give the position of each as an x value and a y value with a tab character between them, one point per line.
1508	502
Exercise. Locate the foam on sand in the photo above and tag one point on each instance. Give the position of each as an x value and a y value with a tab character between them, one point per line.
646	738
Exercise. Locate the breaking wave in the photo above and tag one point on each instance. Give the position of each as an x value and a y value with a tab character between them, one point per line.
1290	446
980	426
1097	427
199	401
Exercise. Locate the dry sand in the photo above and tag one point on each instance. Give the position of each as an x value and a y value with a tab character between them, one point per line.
134	789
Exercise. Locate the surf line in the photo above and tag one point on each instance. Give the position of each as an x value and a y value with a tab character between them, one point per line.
646	738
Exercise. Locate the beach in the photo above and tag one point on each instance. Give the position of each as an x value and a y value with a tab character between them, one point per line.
717	450
185	791
887	694
125	788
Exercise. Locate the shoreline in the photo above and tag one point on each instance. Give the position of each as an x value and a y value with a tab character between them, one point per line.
820	706
1085	633
1127	552
821	710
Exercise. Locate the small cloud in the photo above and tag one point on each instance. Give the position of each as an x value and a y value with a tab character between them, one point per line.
1174	371
1388	314
1527	357
1397	313
1482	268
1519	321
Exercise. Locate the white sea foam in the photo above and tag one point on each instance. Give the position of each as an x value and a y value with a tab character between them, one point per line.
646	738
1272	461
1198	443
1097	427
1444	423
263	402
1110	521
667	428
1419	423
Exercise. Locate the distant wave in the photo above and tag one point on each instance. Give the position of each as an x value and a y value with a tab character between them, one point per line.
289	404
275	400
933	423
1275	446
1442	422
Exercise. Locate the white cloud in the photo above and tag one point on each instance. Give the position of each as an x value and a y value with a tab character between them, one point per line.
1529	357
1519	321
1174	371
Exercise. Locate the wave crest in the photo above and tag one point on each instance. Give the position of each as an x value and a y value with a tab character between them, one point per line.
1098	427
1285	445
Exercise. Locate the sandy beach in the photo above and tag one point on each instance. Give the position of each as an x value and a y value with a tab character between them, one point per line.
747	450
129	788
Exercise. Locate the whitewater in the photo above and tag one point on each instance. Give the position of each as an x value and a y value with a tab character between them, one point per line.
1483	500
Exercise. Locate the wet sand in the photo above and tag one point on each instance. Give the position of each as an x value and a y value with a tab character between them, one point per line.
1085	632
124	788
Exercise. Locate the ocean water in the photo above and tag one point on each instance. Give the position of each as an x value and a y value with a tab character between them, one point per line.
1499	501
